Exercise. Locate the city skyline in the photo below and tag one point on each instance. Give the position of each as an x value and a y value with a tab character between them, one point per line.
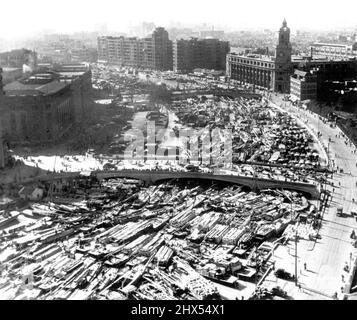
231	15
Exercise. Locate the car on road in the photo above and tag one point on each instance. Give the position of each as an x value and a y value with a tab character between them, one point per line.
192	168
109	166
283	274
339	212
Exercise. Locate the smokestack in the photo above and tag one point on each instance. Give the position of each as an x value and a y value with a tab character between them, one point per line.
267	51
26	68
311	51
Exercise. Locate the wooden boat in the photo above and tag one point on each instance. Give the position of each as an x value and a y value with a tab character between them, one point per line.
117	260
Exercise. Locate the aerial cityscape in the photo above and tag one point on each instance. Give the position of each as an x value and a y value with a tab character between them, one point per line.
209	158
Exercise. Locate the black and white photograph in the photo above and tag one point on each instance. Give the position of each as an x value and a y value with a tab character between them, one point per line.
200	152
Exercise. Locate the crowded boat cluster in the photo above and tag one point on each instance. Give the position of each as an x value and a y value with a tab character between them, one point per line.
260	132
121	239
266	142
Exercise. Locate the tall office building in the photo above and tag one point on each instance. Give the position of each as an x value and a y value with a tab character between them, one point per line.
199	53
153	52
162	49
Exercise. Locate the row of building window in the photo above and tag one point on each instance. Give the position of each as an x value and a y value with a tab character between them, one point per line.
251	62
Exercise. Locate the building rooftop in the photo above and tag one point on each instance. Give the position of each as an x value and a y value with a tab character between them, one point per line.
300	73
41	87
71	67
9	69
253	56
317	58
345	115
320	44
70	74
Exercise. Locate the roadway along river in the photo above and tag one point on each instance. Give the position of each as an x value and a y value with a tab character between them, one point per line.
326	259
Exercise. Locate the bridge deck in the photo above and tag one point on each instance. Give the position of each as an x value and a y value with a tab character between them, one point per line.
251	182
155	176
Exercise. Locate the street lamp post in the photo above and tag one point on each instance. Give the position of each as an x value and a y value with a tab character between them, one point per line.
296	235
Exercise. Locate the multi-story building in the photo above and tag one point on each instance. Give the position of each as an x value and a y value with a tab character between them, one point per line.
44	106
162	49
67	49
253	69
183	55
17	63
79	77
37	109
303	85
11	74
327	73
18	58
334	51
271	73
84	54
199	53
154	52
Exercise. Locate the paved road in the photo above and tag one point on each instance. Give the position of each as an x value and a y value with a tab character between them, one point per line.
326	259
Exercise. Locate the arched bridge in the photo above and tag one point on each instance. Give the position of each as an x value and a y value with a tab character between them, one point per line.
251	182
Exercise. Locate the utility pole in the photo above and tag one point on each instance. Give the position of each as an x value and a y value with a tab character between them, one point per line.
2	151
296	271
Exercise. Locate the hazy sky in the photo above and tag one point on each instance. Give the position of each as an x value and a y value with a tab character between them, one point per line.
21	17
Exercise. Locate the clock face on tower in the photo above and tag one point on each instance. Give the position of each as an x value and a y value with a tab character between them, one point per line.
281	54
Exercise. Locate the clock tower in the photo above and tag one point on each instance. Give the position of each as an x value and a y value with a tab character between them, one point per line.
283	61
